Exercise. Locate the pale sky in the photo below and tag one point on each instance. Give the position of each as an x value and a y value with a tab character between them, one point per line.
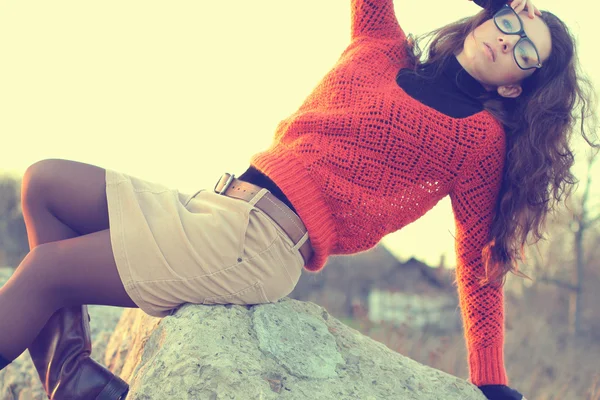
180	92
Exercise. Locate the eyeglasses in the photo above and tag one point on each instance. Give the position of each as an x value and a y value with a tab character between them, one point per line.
525	52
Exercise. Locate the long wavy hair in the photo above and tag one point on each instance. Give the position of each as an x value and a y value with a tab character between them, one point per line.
538	125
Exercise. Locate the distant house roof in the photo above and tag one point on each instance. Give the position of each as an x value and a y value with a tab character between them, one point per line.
417	277
377	268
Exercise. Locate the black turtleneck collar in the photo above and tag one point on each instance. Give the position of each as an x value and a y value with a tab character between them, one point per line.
464	81
454	92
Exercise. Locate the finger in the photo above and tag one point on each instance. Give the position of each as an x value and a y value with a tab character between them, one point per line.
538	12
520	7
531	9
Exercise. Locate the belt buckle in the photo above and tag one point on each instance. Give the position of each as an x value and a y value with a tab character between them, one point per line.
227	184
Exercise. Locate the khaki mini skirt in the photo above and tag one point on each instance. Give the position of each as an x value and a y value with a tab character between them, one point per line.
173	248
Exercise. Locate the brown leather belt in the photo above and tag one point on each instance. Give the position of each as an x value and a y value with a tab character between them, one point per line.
288	220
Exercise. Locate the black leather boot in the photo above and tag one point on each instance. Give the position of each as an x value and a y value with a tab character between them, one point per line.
61	355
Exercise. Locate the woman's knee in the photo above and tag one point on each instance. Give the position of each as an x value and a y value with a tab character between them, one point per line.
72	191
35	178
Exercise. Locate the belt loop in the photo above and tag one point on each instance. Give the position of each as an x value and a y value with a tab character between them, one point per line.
258	196
302	240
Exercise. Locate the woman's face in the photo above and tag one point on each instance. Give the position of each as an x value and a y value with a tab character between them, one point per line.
487	54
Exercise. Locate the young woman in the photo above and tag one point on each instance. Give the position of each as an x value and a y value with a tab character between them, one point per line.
382	138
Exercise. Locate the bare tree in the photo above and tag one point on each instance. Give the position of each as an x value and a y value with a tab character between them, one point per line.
583	221
561	261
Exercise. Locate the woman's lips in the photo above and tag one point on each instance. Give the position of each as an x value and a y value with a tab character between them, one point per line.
490	52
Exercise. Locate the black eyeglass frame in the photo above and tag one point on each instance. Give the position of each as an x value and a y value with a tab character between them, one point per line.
523	36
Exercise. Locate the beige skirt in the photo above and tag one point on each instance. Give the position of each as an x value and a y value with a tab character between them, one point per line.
173	248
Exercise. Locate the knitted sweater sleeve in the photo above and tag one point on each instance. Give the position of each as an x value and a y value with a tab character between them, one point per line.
492	5
375	19
473	200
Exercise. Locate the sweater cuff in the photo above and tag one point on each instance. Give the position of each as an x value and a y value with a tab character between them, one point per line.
487	367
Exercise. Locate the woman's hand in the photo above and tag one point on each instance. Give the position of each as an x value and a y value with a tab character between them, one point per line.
500	392
520	5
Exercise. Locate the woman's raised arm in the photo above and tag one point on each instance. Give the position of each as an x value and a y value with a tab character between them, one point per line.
375	19
490	4
518	5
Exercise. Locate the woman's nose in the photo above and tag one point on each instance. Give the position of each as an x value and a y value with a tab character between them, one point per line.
507	42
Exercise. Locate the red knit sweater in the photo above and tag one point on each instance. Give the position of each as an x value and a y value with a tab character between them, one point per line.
361	159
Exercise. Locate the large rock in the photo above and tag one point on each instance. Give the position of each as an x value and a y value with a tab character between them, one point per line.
286	350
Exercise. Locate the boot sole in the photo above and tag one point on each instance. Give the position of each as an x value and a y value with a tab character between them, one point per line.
115	389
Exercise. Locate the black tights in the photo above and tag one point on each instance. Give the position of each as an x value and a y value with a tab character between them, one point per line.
69	272
71	260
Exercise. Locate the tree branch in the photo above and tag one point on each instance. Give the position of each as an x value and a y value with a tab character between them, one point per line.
559	283
592	221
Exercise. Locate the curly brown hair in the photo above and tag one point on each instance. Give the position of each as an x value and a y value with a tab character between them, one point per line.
538	124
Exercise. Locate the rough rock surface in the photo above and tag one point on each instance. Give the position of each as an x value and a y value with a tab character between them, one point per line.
286	350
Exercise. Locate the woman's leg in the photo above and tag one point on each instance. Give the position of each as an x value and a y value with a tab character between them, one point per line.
58	274
63	199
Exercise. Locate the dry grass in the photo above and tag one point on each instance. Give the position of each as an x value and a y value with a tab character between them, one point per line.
543	362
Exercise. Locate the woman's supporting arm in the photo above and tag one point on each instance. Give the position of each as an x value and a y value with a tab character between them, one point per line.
473	200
